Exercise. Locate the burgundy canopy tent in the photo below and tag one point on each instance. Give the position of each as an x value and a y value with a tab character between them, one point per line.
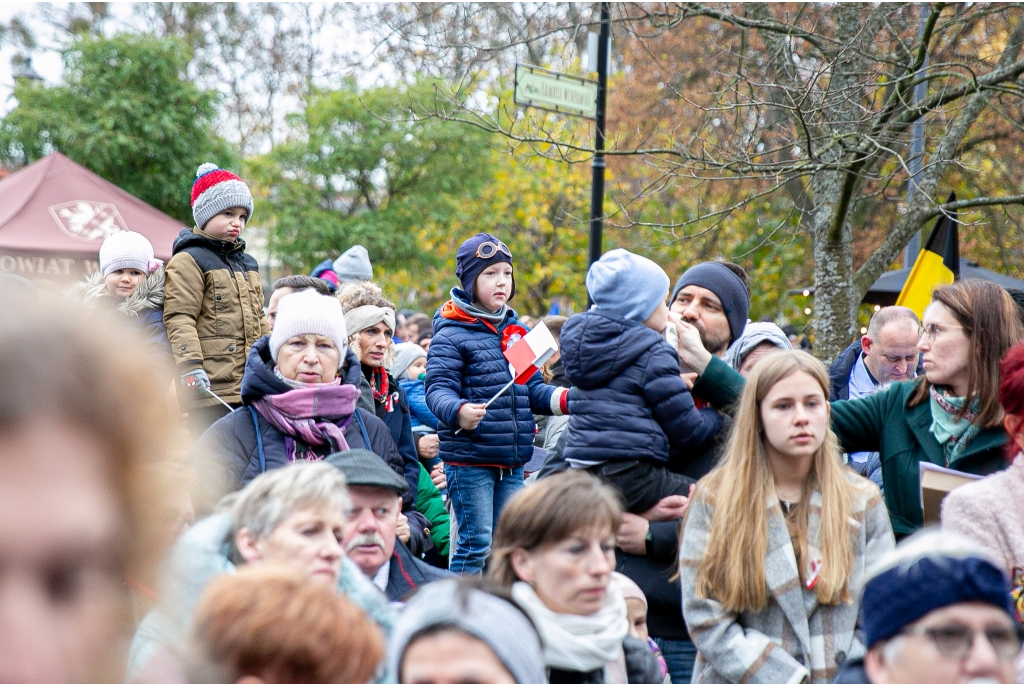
54	215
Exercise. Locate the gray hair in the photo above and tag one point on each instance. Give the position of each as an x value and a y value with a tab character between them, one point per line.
273	496
887	315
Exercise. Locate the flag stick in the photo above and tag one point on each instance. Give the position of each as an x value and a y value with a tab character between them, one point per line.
490	401
210	393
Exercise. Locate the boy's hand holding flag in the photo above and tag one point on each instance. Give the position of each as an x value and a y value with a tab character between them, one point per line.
526	356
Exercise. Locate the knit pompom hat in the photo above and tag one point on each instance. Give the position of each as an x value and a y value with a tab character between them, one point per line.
215	190
127	250
308	312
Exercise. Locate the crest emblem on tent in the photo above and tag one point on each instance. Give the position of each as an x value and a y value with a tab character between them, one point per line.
87	220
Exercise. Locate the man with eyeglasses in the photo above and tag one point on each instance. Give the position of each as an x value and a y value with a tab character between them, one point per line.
936	609
886	354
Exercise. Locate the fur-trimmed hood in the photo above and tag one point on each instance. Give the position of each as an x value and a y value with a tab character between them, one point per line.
149	295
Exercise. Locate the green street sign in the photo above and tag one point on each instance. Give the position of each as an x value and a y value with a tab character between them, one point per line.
546	89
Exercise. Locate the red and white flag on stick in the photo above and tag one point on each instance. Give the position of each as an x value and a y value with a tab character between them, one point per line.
525	356
530	353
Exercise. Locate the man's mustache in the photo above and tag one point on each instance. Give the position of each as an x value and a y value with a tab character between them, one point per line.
365	539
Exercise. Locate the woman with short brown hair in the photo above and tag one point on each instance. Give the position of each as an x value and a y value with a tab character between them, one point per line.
81	414
554	547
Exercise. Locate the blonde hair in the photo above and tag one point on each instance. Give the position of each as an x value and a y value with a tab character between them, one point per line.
271	497
359	294
742	488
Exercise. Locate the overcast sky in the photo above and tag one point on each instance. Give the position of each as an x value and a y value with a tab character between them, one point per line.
47	62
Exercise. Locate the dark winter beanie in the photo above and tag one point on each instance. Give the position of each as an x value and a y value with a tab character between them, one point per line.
468	266
901	595
719	279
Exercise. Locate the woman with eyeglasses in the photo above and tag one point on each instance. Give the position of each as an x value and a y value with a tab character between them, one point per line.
951	417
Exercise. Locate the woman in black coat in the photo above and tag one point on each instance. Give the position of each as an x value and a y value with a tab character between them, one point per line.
280	421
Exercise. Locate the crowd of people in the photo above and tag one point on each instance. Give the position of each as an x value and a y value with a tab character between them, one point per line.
680	494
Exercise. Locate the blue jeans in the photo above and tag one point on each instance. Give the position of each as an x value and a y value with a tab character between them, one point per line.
679	657
478	494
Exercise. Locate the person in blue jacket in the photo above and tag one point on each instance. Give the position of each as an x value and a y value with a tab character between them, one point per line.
410	367
629	403
483	449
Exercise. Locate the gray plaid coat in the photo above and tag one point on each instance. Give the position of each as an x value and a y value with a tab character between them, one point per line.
793	638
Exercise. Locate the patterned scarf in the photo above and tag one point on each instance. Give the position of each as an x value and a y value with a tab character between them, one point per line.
952	432
379	384
317	415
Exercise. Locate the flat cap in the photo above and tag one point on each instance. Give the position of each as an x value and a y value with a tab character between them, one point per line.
363	467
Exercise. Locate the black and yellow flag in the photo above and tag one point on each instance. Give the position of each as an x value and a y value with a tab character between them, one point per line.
937	264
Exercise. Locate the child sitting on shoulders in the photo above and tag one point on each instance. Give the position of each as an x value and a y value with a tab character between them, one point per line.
629	402
130	281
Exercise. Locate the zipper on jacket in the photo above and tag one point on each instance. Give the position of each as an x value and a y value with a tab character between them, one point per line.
515	429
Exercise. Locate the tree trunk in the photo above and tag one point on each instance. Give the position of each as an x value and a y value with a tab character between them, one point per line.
835	303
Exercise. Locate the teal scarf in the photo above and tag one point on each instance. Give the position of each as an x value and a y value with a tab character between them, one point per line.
952	432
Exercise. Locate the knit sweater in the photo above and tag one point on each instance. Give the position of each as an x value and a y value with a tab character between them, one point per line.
991	512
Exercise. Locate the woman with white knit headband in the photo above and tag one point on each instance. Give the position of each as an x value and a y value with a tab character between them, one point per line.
370	321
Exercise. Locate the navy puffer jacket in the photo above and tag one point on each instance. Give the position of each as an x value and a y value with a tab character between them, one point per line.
628	401
465	365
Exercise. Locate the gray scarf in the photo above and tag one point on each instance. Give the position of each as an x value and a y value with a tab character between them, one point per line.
494	318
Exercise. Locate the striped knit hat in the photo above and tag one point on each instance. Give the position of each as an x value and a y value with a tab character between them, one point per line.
215	190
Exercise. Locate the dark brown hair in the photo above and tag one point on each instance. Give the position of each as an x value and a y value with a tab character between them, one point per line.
991	324
299	282
548	512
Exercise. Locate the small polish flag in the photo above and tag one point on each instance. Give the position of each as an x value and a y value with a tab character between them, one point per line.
531	352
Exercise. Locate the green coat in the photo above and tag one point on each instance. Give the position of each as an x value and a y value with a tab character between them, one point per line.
429	503
883	423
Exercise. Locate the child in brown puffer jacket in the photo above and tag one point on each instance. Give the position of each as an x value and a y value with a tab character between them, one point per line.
213	308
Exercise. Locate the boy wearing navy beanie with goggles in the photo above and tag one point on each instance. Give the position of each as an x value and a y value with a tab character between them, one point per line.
483	450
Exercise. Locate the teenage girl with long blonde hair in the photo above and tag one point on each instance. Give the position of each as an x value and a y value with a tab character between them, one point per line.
777	538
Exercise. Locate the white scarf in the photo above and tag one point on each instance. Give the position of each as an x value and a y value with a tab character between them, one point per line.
580	643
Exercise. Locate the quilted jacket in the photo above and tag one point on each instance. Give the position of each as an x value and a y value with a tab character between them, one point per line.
465	364
628	400
228	452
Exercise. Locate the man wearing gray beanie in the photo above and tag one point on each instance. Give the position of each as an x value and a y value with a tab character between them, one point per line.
455	631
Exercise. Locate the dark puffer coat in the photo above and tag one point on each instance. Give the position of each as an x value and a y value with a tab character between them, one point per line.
398	421
465	364
628	401
228	452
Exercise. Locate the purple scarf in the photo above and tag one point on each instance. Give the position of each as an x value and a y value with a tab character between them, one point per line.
317	415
